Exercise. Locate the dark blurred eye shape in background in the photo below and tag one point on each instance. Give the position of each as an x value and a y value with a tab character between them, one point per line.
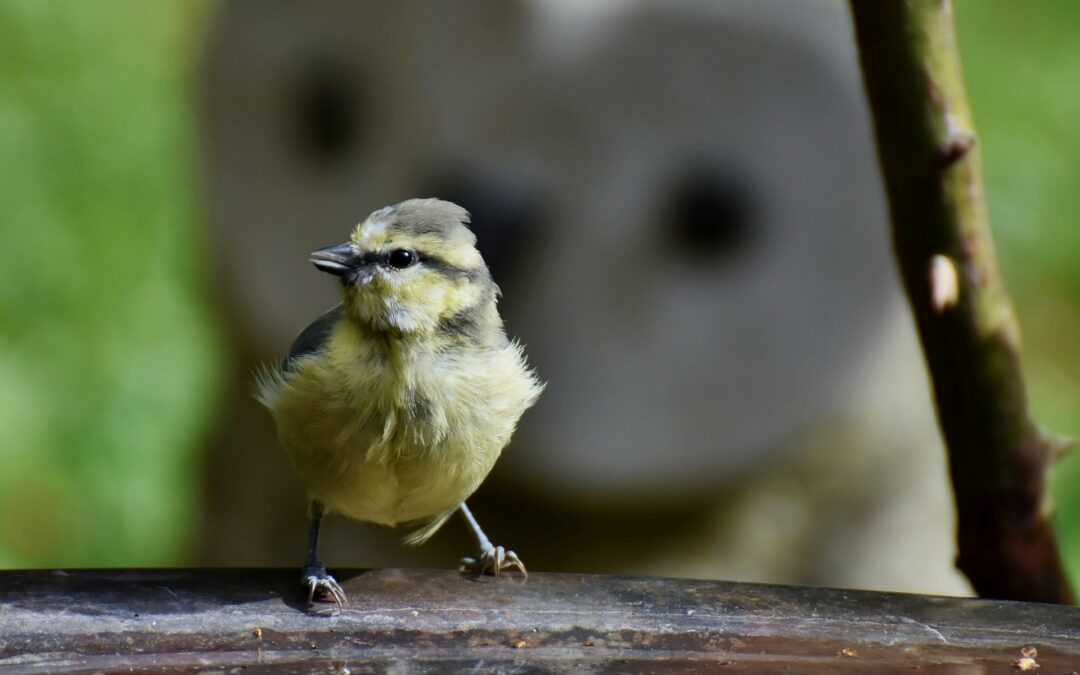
328	112
507	218
710	215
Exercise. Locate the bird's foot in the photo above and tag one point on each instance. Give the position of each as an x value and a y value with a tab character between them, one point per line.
494	561
321	586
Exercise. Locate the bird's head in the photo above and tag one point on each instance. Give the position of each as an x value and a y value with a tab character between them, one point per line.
413	268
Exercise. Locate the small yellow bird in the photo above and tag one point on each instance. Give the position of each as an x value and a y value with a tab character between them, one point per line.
395	405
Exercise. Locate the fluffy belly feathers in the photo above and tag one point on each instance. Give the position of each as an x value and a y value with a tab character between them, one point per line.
393	446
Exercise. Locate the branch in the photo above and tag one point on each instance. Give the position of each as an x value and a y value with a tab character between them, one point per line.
420	621
998	459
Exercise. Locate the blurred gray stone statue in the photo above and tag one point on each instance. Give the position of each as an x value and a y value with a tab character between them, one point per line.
681	204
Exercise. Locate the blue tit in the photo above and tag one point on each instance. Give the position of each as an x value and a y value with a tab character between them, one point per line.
394	405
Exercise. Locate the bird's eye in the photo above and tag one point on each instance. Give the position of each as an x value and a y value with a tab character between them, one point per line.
402	258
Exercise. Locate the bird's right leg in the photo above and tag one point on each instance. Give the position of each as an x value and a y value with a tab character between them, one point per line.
314	576
493	559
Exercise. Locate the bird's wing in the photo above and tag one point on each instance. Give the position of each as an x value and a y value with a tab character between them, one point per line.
312	339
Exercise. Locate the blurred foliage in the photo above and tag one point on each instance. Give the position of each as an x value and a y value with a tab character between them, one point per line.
1020	62
108	358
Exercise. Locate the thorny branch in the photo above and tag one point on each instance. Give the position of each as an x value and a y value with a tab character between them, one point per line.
998	459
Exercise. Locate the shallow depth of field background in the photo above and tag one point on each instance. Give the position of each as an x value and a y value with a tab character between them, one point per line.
111	352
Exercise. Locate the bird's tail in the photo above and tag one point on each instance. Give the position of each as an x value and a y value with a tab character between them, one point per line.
425	532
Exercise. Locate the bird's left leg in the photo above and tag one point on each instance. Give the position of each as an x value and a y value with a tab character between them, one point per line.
492	559
314	575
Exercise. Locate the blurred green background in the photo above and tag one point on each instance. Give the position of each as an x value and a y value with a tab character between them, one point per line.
110	357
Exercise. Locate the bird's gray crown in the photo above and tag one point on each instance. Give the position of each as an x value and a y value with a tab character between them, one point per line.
418	217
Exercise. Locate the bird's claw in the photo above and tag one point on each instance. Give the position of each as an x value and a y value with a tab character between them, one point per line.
322	587
494	561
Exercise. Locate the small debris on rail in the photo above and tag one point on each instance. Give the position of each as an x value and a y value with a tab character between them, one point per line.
1027	661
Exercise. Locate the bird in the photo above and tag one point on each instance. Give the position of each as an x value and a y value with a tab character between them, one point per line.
394	405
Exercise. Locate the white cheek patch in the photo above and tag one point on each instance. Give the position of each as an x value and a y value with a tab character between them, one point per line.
390	279
399	317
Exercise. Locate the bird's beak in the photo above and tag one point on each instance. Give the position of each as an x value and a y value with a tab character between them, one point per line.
337	260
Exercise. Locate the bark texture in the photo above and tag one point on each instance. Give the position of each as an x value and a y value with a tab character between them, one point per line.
421	621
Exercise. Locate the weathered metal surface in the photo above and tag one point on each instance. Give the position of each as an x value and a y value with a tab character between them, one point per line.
417	621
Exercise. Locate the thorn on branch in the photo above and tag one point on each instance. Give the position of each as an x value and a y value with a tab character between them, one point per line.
944	283
1060	446
956	147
